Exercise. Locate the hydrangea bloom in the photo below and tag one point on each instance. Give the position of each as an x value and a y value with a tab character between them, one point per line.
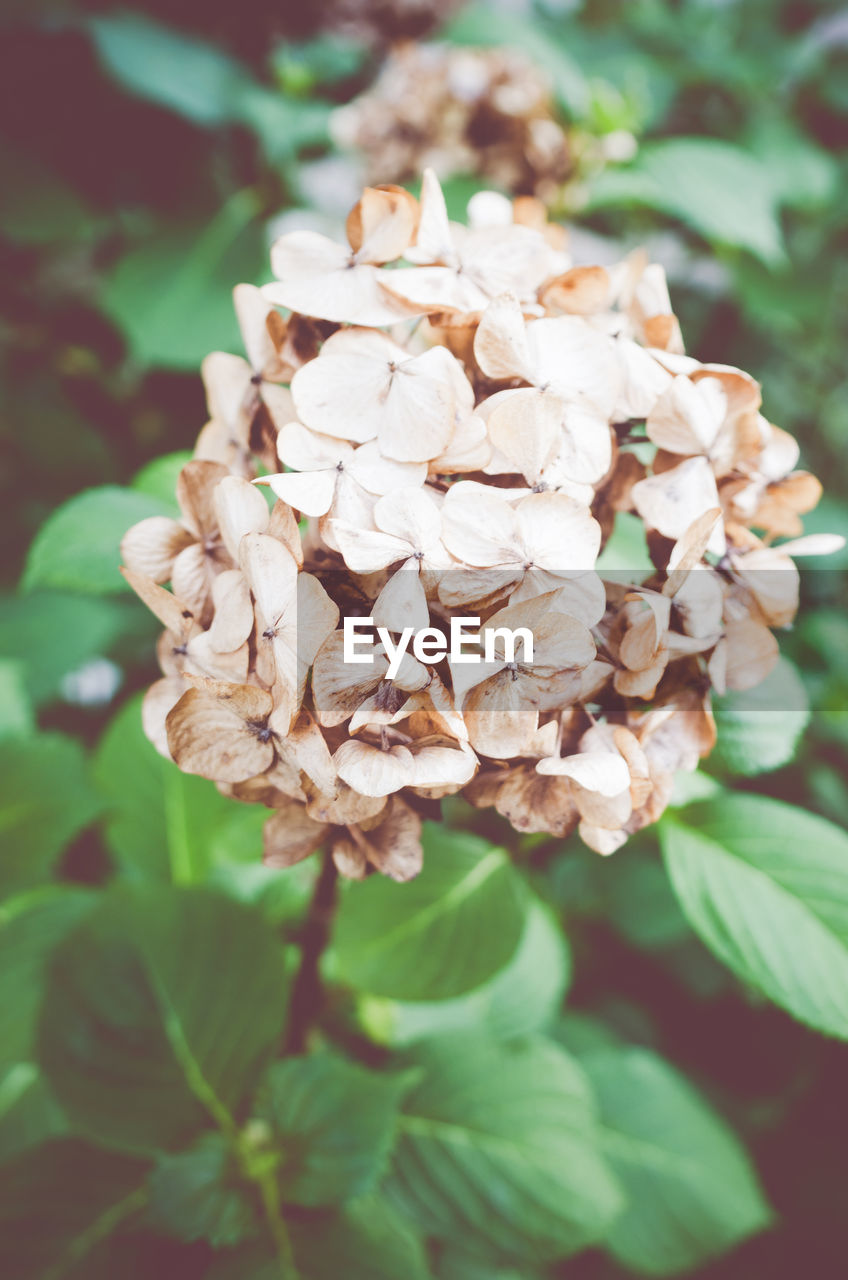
455	440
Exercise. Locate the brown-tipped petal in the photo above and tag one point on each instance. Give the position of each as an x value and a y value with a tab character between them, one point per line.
349	858
337	690
260	342
174	614
374	771
192	577
393	846
500	344
195	494
442	764
752	652
600	840
343	806
151	546
582	291
381	225
499	717
290	835
158	701
233	619
229	392
670	501
689	550
203	659
604	772
318	278
239	509
284	527
208	733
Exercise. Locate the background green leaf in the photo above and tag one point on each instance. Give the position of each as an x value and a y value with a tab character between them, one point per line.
691	1190
440	935
766	887
46	798
499	1144
78	546
175	998
334	1123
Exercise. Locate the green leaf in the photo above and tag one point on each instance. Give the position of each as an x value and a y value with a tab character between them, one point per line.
334	1123
16	713
171	296
440	935
454	1264
46	798
50	633
719	190
162	824
161	1011
500	1144
760	728
284	125
78	546
158	478
691	1190
29	1114
185	74
765	885
200	82
368	1241
30	931
517	1001
200	1194
58	1200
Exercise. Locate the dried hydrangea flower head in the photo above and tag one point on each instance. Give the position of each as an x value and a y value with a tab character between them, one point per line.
445	423
461	111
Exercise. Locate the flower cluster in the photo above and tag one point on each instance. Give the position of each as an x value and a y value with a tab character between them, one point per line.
448	422
461	111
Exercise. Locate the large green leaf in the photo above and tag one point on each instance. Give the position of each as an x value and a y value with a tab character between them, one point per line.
78	546
766	887
29	1114
442	934
367	1241
202	83
454	1264
199	1195
171	295
759	729
16	712
46	798
161	1010
58	1200
187	75
33	927
334	1123
50	633
517	1001
162	824
721	191
691	1190
500	1144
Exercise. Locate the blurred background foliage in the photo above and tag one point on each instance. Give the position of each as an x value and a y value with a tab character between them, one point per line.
150	155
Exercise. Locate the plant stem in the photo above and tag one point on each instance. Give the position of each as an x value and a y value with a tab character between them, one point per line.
307	998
